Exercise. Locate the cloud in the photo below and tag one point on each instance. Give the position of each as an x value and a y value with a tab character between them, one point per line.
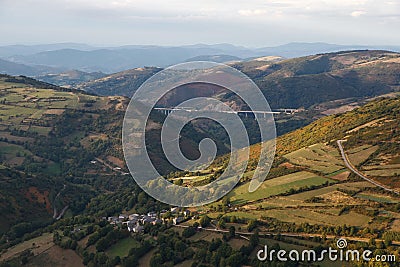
358	13
252	12
262	21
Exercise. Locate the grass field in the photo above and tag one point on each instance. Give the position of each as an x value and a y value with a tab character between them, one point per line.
282	202
277	186
317	217
11	150
304	215
145	260
318	157
381	167
377	198
37	245
33	103
122	248
313	193
383	172
360	154
205	235
40	130
57	257
53	169
237	243
299	199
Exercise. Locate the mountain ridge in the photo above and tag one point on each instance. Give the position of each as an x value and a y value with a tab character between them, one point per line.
93	59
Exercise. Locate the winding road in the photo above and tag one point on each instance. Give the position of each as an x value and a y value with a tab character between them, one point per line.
353	169
55	208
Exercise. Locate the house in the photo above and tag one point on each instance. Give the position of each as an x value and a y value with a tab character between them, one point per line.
113	219
186	213
147	219
136	228
76	230
163	212
123	217
134	217
174	209
177	220
152	214
157	221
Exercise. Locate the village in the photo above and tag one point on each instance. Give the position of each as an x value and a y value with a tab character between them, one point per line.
135	222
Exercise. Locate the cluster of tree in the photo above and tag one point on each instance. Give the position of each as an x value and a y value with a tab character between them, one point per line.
136	253
66	243
110	239
97	235
171	249
188	232
219	253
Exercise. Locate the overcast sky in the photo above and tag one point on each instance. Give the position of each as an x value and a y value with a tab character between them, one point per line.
254	23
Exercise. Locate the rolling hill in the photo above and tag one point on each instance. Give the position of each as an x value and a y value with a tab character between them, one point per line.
43	129
123	83
12	68
321	84
309	197
69	78
293	83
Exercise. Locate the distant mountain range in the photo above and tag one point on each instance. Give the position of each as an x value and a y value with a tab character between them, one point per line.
12	68
291	83
71	56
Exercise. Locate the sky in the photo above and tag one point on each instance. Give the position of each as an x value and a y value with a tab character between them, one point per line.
251	23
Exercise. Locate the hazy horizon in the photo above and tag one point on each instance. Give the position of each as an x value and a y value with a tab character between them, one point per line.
105	46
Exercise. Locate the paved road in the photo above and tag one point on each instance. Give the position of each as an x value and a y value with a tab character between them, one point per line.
62	213
353	169
55	199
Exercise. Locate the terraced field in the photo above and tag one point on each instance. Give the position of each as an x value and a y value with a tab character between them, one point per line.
383	170
317	217
309	215
41	244
278	186
377	198
329	193
360	154
319	157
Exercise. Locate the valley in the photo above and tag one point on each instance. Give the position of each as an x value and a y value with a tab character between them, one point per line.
336	171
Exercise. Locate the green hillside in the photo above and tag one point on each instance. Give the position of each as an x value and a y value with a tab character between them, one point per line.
52	136
309	181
